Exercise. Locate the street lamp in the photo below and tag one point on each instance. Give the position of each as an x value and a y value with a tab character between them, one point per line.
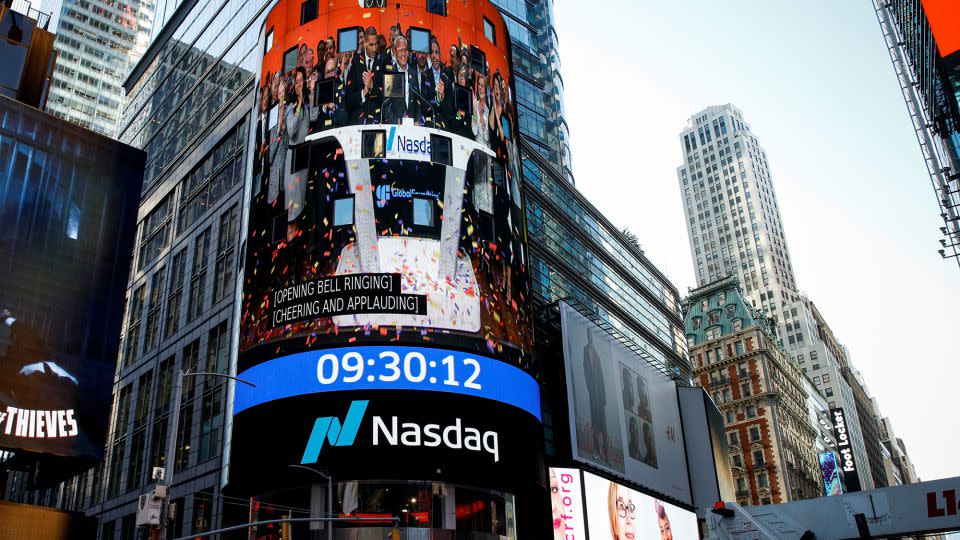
329	480
175	420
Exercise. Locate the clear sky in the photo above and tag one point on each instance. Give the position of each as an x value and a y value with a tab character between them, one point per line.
814	81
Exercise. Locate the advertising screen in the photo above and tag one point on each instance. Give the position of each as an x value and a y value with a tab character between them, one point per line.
831	473
615	512
386	257
566	502
624	416
67	216
848	463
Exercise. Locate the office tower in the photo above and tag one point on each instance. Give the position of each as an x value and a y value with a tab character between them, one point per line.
736	357
97	43
871	426
729	202
824	361
925	52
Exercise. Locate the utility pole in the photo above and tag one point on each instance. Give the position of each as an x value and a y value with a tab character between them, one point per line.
329	480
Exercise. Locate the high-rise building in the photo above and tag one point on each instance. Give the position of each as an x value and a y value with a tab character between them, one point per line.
188	106
736	356
823	360
878	456
97	42
925	51
733	218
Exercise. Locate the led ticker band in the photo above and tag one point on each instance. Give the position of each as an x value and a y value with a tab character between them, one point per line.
388	368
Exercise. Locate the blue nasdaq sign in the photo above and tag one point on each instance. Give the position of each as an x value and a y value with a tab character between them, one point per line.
386	369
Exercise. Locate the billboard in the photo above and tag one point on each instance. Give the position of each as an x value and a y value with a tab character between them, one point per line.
831	474
566	503
67	222
615	512
944	19
624	415
848	463
386	261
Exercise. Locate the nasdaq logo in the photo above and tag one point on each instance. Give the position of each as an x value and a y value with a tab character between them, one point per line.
383	195
331	429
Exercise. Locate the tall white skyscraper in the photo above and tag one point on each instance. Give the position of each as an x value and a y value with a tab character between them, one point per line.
98	42
733	218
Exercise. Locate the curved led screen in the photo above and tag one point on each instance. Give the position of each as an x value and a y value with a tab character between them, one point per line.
386	263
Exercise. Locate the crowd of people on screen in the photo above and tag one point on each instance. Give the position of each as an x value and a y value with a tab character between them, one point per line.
330	89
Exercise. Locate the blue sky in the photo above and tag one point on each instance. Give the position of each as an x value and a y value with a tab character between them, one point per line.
814	81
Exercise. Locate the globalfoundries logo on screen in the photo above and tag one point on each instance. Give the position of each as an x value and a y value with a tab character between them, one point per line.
393	432
34	424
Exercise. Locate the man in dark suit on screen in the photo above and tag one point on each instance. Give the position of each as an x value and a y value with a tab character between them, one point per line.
364	90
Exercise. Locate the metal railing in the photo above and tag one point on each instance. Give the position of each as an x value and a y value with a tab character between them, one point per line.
24	7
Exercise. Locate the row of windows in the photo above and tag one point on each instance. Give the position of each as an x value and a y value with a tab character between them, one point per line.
145	314
139	440
582	220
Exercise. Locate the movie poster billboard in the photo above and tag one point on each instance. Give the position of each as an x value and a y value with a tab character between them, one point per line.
616	512
624	414
68	226
831	474
386	254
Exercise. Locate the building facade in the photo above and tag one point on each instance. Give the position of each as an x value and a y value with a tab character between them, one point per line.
736	356
925	56
823	359
97	43
188	107
733	218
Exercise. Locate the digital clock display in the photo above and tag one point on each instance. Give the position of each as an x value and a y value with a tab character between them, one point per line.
388	368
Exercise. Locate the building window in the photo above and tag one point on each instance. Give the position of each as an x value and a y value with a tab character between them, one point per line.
157	283
155	232
737	460
308	11
727	395
742	490
134	315
713	332
224	278
423	214
189	360
734	438
138	441
201	255
437	7
343	211
697	322
714	317
731	417
828	391
758	460
489	30
751	411
705	305
744	390
175	294
816	367
268	42
738	347
763	481
754	433
290	57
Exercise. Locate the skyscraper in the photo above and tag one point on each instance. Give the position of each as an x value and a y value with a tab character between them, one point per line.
733	219
98	42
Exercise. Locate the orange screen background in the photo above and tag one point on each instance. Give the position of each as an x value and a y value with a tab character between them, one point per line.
464	20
